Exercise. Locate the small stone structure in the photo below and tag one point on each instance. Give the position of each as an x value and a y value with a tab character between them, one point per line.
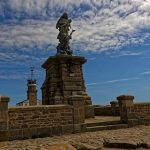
125	103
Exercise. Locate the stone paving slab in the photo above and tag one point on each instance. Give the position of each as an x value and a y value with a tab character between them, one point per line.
138	136
102	119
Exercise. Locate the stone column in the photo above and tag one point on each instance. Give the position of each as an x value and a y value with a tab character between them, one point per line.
78	112
125	103
4	118
114	105
78	109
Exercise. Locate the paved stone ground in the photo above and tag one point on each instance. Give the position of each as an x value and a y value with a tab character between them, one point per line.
130	138
102	119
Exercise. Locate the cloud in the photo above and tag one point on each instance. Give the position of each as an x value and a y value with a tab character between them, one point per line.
146	88
113	81
13	76
18	74
145	73
101	25
28	34
125	53
92	58
24	59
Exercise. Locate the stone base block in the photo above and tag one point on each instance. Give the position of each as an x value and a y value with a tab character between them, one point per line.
4	135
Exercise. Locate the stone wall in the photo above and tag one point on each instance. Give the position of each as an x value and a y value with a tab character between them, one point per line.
26	122
139	114
40	121
133	114
142	105
106	111
89	111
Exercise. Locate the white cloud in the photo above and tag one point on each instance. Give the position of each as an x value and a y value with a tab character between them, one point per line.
100	25
145	73
18	74
92	58
125	53
113	81
28	34
19	59
11	77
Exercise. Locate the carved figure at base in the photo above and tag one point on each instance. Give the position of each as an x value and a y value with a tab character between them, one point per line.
64	26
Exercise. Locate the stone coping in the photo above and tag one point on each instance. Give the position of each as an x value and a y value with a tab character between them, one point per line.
63	57
107	106
4	99
142	103
40	107
125	97
113	102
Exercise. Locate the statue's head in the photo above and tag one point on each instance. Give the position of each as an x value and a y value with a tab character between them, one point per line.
65	15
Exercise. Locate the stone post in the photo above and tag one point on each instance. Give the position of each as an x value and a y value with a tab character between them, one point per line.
125	103
78	112
4	118
114	105
78	106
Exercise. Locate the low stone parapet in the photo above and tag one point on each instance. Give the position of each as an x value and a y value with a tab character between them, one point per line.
106	111
133	114
36	121
4	118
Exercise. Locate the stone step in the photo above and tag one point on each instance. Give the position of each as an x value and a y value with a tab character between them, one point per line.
103	123
106	127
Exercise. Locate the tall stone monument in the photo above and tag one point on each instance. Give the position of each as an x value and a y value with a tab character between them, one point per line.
64	83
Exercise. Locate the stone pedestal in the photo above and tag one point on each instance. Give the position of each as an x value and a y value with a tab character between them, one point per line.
64	78
125	103
4	118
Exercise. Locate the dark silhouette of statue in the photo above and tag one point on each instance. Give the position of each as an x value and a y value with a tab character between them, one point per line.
64	26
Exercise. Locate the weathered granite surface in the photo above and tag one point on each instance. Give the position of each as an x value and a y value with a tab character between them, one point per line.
130	138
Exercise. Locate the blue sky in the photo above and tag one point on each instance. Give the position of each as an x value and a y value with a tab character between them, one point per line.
114	36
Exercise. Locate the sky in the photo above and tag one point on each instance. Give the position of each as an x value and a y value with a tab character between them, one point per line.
113	35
